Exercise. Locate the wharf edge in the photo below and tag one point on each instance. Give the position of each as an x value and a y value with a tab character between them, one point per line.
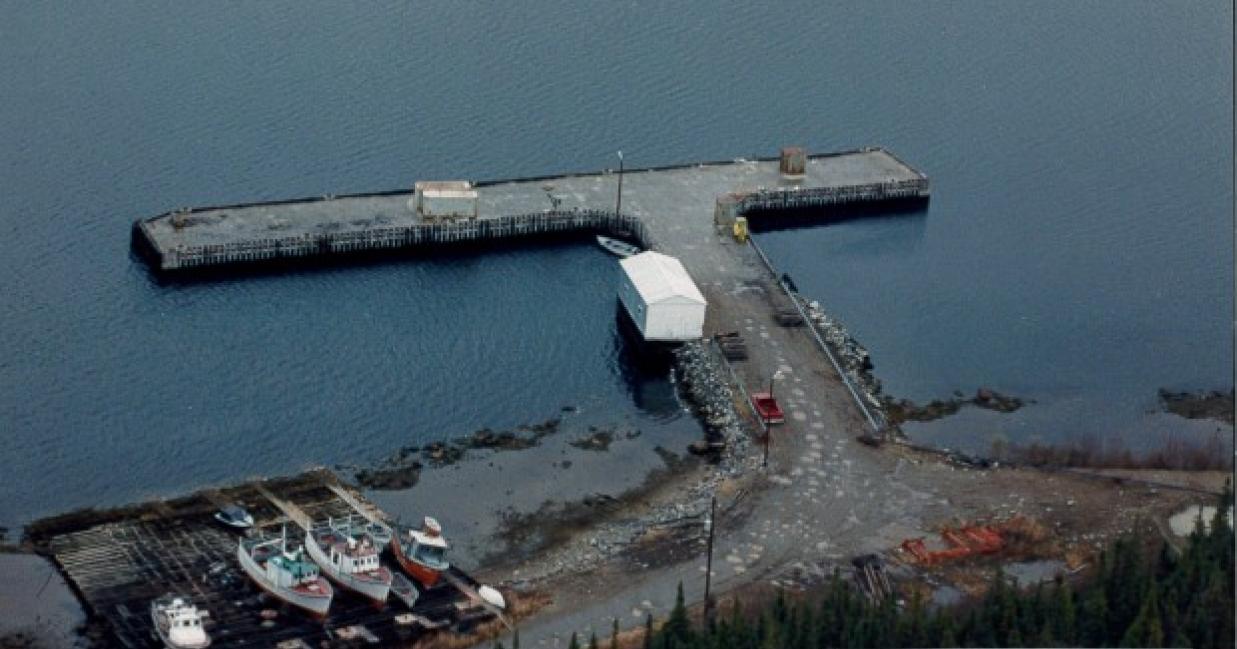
378	220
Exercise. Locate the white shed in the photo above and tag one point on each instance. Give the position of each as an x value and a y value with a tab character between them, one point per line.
444	199
661	298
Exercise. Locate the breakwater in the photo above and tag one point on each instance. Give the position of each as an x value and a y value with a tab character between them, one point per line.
190	238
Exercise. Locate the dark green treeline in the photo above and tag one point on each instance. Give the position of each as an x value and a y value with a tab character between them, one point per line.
1135	599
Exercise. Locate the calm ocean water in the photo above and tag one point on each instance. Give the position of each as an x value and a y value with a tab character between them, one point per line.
1078	249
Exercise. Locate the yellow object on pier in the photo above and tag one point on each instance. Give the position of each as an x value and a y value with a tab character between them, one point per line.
740	229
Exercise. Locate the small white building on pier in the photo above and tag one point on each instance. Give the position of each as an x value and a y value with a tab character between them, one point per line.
435	200
661	298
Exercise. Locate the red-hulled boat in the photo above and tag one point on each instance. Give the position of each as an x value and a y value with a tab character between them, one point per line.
422	553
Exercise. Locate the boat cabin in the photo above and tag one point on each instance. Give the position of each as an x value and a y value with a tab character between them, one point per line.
290	569
179	623
429	550
350	555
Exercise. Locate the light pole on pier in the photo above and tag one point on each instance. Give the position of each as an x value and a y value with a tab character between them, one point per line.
618	204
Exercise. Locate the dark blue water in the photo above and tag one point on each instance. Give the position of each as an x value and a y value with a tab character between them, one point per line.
1078	244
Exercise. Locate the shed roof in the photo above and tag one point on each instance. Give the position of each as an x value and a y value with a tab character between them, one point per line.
661	278
445	188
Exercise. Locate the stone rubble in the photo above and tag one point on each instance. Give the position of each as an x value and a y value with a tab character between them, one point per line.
851	356
704	382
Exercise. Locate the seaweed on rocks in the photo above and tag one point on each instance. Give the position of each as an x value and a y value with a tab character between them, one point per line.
1199	405
597	440
402	469
856	362
899	411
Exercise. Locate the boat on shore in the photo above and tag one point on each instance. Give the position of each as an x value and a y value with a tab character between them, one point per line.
178	623
348	555
617	247
234	516
380	533
422	553
285	573
403	590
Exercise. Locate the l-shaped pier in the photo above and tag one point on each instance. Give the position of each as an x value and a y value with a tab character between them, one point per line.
658	202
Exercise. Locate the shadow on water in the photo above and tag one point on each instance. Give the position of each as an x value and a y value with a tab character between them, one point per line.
141	254
866	231
914	210
645	369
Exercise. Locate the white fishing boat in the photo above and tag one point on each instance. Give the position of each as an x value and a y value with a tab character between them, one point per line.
379	532
348	556
285	573
617	247
178	623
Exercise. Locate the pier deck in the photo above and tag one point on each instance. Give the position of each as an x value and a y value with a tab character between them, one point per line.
118	565
585	202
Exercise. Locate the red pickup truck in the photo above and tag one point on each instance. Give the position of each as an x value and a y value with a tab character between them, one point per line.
767	408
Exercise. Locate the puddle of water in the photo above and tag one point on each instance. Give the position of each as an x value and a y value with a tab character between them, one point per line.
35	600
1030	573
1183	522
946	596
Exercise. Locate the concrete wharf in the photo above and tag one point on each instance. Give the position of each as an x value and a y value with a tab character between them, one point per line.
682	210
118	561
654	199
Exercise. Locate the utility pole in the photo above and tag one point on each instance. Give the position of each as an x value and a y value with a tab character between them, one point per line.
708	564
618	204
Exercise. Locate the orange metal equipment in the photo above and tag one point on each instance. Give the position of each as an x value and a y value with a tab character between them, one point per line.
963	542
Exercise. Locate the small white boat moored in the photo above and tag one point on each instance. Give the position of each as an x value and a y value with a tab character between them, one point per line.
234	515
178	623
403	590
617	247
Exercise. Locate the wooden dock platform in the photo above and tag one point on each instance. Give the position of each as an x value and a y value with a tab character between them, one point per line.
117	562
530	207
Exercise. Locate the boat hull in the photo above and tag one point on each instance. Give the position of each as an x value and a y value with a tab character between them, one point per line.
424	575
234	524
316	604
376	590
618	248
403	590
161	631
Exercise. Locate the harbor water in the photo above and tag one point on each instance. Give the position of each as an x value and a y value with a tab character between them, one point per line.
1077	250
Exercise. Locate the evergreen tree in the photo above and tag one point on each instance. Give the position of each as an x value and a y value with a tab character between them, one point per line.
1064	613
648	631
1136	598
947	636
1093	628
614	634
677	630
1146	630
574	643
1045	638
